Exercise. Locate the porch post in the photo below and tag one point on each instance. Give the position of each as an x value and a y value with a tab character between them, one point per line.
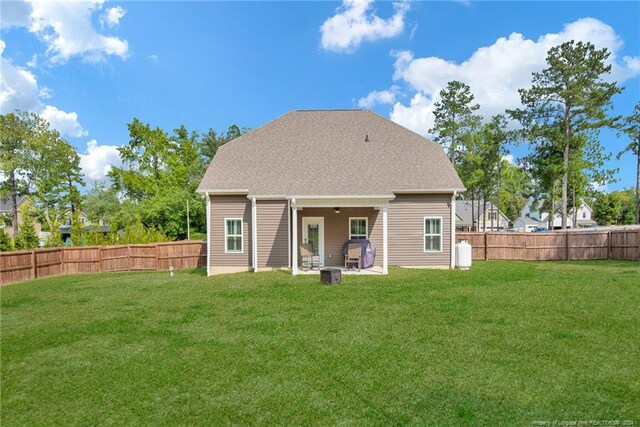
208	233
385	243
294	238
254	235
453	230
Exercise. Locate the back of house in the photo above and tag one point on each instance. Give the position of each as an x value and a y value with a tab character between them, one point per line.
322	178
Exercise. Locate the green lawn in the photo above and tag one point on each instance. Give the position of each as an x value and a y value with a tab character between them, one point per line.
506	343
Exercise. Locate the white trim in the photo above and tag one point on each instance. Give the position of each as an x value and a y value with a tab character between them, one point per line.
347	197
366	225
385	241
453	230
208	234
294	238
289	233
254	234
320	221
241	251
223	192
267	197
424	233
435	190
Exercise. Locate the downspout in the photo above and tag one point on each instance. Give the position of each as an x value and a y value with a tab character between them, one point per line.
208	234
453	229
254	235
289	232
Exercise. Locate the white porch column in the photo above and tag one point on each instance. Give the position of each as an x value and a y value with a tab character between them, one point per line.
208	234
453	230
294	238
254	234
385	241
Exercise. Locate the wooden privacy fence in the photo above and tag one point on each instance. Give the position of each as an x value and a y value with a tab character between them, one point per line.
608	244
24	265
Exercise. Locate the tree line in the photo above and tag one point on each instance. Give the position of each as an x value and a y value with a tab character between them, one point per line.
151	195
560	120
146	199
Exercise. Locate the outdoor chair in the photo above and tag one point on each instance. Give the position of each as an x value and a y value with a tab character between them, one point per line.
354	255
309	260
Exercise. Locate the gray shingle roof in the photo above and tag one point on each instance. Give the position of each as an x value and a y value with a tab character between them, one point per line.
7	205
463	210
325	153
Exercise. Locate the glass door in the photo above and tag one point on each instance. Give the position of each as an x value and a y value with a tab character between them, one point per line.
313	234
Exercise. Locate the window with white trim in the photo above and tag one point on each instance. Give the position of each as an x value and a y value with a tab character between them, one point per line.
432	234
358	228
233	235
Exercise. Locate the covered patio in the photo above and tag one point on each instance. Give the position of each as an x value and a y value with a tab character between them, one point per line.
327	222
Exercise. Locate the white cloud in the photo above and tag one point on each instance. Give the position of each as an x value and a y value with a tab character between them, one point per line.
19	90
18	86
496	72
67	29
63	122
98	160
112	16
509	158
378	97
15	14
355	22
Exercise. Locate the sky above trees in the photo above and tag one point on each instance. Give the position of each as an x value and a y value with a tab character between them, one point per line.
90	67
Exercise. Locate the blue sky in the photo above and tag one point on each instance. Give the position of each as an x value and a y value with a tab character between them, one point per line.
90	67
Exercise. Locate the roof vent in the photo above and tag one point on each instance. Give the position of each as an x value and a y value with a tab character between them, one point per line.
366	138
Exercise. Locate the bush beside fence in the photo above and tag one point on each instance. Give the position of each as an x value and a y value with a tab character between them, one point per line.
25	265
609	244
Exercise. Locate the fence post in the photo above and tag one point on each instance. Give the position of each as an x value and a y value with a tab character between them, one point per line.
486	256
62	260
100	268
34	273
157	258
129	256
566	243
609	244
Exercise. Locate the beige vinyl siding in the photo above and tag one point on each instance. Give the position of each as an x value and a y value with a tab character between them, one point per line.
273	249
230	207
406	230
336	230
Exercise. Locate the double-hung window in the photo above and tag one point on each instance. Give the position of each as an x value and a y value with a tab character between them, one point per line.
358	228
432	234
233	235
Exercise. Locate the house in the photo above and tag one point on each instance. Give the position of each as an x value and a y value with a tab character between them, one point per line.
469	220
323	177
6	214
583	218
528	224
67	225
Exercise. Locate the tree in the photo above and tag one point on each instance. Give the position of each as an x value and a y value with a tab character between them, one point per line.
567	99
606	209
454	117
514	191
27	237
6	245
16	130
631	128
212	141
101	203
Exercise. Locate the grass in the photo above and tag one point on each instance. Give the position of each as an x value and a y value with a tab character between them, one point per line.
506	343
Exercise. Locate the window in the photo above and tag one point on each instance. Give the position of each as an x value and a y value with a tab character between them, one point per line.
493	215
233	235
584	214
358	228
432	234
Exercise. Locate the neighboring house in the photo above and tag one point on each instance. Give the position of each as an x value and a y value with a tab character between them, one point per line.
324	177
583	218
6	208
527	224
67	224
468	221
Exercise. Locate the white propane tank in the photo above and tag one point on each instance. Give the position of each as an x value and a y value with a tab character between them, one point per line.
463	255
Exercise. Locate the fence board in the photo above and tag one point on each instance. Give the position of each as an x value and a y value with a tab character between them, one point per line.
613	244
25	265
